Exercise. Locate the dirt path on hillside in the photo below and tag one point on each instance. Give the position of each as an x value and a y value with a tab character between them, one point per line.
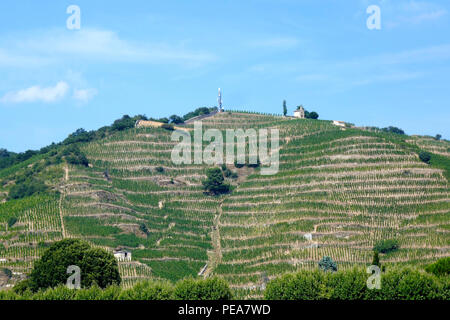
61	198
215	256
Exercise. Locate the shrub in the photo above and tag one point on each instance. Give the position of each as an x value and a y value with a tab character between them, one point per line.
26	188
393	130
144	228
12	221
386	246
425	157
214	183
399	284
305	285
376	259
440	267
407	284
312	115
159	169
228	173
347	285
7	272
209	289
124	123
148	290
168	126
198	112
176	119
327	264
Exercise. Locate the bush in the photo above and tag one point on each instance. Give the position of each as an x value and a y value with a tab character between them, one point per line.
311	115
176	119
26	188
407	284
124	123
159	169
214	183
148	290
97	265
348	285
393	130
398	284
327	264
144	228
386	246
12	221
168	126
305	285
7	272
228	173
209	289
198	112
425	157
440	267
74	156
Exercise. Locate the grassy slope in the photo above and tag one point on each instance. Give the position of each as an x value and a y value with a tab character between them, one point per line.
347	188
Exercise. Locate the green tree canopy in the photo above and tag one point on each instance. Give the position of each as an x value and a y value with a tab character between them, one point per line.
440	267
425	156
327	264
97	265
386	246
214	182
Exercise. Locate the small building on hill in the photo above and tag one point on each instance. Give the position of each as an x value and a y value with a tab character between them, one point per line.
339	123
299	113
122	255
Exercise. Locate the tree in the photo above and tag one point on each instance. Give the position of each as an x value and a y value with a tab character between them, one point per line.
440	267
168	126
144	229
7	272
124	123
175	119
284	108
376	259
392	129
386	246
214	183
97	266
313	115
438	137
327	264
4	153
12	221
425	156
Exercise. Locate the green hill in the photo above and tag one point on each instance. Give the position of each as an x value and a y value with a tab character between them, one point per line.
338	191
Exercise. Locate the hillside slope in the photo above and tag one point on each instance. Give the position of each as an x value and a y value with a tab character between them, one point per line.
338	191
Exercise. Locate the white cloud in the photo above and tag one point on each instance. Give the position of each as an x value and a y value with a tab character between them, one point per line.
84	95
37	94
341	75
102	46
410	12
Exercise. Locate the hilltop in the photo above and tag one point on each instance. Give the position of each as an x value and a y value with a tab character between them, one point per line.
339	190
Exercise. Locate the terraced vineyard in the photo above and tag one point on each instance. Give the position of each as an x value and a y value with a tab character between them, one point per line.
337	192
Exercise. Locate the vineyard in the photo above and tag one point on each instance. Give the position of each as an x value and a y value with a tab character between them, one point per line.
338	191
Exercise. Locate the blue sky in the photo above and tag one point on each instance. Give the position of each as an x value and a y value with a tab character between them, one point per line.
169	57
